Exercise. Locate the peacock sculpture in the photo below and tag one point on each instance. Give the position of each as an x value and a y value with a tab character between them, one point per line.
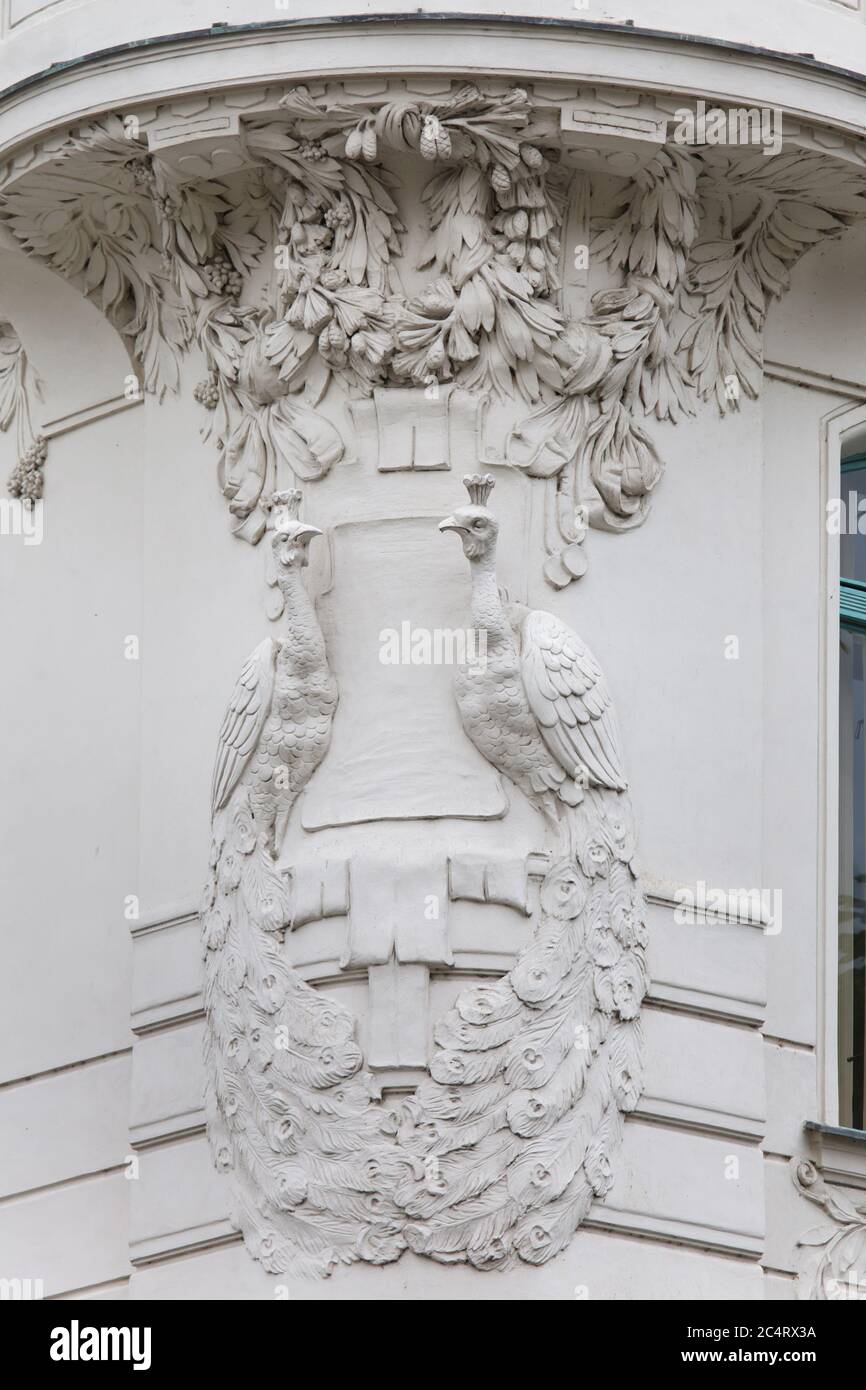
502	1148
522	1113
289	1107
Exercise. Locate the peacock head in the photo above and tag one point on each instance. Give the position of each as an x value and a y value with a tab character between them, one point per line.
476	526
291	536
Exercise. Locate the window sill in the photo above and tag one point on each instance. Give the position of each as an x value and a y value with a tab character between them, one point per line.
841	1152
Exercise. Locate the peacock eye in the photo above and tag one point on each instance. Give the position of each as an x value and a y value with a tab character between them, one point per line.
478	524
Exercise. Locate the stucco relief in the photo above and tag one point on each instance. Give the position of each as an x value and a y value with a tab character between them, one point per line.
837	1269
329	245
499	1147
19	386
422	925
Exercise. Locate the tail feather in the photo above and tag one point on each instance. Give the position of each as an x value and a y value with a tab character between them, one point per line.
291	1113
503	1147
566	1019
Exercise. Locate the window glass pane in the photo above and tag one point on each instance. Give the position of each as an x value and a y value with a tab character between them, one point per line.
852	555
852	877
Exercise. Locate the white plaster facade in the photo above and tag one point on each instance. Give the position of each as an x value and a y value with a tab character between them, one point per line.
731	763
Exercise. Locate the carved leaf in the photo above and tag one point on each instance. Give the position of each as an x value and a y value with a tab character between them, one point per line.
795	200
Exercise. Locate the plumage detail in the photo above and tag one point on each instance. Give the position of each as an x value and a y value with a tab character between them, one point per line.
522	1117
242	726
568	695
290	1109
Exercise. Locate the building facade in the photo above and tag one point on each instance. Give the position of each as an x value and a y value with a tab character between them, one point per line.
451	429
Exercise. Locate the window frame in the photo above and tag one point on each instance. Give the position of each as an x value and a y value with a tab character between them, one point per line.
837	428
852	618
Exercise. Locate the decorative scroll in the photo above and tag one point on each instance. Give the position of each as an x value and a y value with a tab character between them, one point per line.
841	1269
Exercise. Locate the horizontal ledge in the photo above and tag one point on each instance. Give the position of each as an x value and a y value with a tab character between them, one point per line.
675	1114
189	1240
667	893
741	1244
841	1152
151	1134
715	1008
87	415
62	1184
164	918
672	1115
87	1291
153	1018
64	1068
815	380
659	891
836	1132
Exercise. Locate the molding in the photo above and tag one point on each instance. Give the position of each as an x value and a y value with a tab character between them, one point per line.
733	910
629	32
675	1114
192	1240
722	1007
91	1291
679	1233
178	914
811	380
674	998
170	1127
66	1067
77	1180
87	415
155	1018
650	1110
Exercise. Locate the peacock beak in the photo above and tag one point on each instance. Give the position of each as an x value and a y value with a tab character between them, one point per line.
450	524
305	533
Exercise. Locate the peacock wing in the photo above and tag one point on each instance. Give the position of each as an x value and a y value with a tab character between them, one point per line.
244	720
569	697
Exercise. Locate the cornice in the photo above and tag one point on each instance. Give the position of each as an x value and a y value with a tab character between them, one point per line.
564	27
728	71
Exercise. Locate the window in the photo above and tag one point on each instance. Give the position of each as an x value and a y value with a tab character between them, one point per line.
852	799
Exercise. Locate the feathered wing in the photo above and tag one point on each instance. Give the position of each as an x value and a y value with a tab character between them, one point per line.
243	722
290	1112
570	700
520	1120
